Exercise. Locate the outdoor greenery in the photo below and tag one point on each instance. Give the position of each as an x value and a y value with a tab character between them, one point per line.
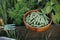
3	10
37	19
17	12
53	7
15	9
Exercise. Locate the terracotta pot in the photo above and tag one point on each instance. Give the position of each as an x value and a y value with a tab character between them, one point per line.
41	29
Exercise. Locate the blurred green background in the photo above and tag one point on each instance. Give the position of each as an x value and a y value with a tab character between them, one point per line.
12	11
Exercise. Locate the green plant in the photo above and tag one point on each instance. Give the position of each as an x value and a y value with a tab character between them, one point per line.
3	10
17	12
10	7
56	8
37	19
4	5
53	7
20	7
10	29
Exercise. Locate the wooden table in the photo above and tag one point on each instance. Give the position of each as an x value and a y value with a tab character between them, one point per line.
54	33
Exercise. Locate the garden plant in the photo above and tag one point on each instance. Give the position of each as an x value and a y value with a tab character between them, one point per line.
13	11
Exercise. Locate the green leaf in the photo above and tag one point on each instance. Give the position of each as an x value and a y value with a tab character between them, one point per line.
56	8
47	9
39	1
56	17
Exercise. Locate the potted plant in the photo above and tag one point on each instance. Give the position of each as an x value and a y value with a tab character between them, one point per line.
35	20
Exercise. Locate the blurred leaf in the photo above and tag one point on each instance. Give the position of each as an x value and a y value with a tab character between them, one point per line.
39	1
17	12
47	9
56	8
56	17
17	21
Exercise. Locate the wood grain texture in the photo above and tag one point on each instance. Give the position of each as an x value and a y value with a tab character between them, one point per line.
55	33
25	34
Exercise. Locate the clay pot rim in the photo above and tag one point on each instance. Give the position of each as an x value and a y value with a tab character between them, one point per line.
33	26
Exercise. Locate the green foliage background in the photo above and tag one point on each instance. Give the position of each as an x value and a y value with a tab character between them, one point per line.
15	9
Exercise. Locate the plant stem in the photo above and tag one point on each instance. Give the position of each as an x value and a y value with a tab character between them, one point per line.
7	33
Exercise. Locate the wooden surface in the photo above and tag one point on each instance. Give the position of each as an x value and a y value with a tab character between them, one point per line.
54	33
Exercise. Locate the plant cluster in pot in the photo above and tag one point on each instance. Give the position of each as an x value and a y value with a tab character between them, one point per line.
35	20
